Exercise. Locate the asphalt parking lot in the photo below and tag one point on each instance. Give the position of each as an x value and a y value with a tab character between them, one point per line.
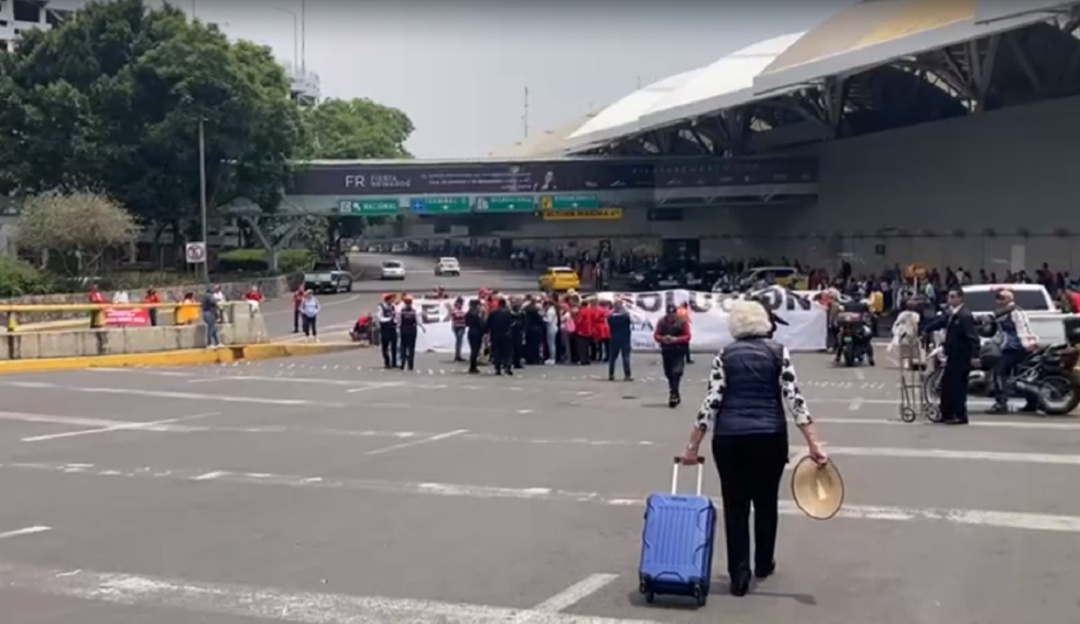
329	490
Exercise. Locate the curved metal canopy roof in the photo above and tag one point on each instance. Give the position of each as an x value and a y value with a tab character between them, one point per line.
874	32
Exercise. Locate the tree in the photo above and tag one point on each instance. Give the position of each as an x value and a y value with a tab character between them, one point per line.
111	102
356	129
76	226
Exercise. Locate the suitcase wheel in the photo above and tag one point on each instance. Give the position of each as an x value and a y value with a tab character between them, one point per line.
908	415
699	595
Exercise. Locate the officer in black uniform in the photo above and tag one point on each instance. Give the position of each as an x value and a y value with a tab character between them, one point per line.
409	323
388	333
534	331
474	332
499	330
517	331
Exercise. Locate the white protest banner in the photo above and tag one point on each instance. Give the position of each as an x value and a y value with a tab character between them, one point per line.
805	329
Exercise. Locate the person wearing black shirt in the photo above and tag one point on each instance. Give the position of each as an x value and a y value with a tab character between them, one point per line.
409	323
619	322
534	331
498	326
961	347
474	331
517	331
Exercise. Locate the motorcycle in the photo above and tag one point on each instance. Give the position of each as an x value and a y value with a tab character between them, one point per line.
1048	375
852	337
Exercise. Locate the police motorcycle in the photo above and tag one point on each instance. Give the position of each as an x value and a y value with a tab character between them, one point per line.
853	337
1046	378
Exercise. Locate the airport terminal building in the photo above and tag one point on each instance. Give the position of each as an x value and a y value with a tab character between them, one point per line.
897	131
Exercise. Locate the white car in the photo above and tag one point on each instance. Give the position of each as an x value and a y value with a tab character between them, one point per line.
1047	321
447	266
392	270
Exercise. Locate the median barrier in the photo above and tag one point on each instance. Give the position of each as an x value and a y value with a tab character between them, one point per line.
243	325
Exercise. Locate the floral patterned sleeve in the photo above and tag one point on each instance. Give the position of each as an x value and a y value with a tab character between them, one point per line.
789	387
706	416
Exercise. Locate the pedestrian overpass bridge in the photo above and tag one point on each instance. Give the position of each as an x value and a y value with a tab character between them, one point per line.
389	187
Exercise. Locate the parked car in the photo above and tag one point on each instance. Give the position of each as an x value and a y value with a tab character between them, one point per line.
447	266
392	270
328	277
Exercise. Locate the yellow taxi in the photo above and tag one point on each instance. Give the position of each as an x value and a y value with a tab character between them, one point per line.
560	279
785	277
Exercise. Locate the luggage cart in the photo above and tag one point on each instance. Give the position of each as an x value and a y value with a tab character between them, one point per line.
914	401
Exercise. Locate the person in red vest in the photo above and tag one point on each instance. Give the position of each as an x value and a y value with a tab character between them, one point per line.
603	331
95	295
684	314
253	294
297	299
457	323
152	296
586	332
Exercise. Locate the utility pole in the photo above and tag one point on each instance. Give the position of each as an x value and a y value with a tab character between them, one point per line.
202	199
525	114
303	37
295	36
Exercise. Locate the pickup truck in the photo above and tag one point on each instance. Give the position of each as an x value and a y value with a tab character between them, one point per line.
328	277
1047	321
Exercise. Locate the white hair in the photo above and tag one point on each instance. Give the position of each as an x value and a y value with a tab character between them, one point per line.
748	319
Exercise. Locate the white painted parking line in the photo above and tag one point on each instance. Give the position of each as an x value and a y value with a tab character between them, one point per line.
224	398
1002	424
405	445
925	453
50	419
143	371
133	426
575	593
27	531
376	386
851	511
267	603
210	476
299	380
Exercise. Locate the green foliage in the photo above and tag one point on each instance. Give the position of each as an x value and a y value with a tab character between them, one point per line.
18	278
255	260
356	129
111	101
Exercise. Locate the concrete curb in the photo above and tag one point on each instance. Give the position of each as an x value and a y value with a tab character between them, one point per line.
186	357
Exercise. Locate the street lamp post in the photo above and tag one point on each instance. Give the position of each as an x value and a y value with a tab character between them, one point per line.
295	37
202	199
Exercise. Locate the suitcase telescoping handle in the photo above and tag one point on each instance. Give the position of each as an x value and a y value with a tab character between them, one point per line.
675	474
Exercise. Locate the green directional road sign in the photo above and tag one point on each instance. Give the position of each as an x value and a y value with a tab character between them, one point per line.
505	203
574	202
368	207
440	205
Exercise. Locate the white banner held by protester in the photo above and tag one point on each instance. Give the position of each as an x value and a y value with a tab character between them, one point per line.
805	329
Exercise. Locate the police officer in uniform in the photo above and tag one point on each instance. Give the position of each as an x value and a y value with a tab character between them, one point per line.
672	333
388	334
409	323
474	328
499	324
534	331
517	331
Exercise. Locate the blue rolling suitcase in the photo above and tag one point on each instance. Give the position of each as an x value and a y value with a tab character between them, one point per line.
677	543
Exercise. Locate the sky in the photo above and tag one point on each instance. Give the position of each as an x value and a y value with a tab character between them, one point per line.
460	68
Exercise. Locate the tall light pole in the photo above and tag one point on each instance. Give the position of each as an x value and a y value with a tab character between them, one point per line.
295	36
202	199
303	36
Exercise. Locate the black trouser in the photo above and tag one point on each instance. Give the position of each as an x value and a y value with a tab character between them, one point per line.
309	324
1002	370
534	337
750	468
408	348
619	348
954	389
296	320
476	341
517	348
388	338
674	357
502	353
581	348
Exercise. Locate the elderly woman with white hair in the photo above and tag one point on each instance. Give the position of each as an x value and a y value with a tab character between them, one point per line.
750	382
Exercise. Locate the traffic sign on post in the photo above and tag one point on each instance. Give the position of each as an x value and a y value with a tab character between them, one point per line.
368	207
195	253
505	203
440	205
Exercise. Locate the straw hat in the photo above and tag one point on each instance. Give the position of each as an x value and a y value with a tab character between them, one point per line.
818	490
